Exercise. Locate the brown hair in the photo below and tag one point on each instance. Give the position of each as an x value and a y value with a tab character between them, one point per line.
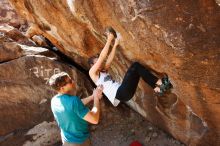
91	59
58	80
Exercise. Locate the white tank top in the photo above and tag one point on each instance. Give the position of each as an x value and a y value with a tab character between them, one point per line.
110	87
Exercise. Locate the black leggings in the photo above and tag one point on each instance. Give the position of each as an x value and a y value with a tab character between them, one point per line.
129	84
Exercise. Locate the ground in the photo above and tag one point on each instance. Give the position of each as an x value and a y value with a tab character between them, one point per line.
118	127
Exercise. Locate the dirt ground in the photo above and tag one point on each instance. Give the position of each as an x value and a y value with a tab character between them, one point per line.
123	126
118	127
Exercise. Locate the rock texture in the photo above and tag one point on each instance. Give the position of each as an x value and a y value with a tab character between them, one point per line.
25	94
13	44
24	73
43	134
9	16
180	38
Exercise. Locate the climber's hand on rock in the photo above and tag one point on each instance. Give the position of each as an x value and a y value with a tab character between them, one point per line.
110	36
118	39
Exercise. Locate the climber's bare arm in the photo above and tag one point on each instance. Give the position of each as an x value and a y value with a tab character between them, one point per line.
94	70
112	54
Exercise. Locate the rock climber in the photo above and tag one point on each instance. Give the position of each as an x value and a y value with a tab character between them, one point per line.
124	91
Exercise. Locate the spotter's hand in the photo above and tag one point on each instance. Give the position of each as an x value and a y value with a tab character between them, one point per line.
97	93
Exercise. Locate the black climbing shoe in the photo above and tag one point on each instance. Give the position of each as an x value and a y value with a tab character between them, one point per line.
165	86
111	30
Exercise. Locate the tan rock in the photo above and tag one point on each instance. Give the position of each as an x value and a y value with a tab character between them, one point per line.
13	44
25	95
46	133
9	16
39	40
9	51
15	35
153	36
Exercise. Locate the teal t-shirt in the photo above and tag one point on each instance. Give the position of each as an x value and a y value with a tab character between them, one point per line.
69	112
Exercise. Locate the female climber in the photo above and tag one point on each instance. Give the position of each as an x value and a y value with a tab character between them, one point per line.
124	91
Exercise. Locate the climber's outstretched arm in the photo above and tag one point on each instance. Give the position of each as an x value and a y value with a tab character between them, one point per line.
112	54
94	70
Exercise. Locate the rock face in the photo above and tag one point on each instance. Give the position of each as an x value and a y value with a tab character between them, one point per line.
13	44
9	16
25	94
24	73
180	38
44	134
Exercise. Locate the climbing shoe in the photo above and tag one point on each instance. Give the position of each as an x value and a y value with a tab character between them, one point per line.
165	86
111	30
